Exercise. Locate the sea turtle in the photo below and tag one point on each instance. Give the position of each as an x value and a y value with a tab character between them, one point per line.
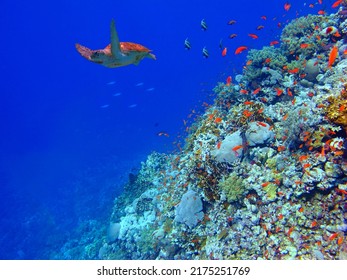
117	53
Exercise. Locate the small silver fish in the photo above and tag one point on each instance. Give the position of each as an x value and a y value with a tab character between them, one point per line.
203	24
117	94
187	44
150	89
205	52
132	105
139	84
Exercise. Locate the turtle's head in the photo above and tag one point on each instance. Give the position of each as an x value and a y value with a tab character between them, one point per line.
150	55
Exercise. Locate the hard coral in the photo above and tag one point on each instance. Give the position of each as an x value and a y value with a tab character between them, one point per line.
336	111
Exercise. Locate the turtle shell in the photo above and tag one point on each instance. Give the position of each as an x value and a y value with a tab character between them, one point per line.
128	47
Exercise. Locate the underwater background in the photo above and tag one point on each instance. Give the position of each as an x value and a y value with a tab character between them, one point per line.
74	133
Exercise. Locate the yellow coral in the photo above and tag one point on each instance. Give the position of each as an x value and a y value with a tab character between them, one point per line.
336	111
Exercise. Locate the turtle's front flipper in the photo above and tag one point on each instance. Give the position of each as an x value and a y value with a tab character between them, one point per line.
115	46
84	51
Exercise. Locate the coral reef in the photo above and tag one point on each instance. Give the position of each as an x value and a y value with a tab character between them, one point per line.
263	172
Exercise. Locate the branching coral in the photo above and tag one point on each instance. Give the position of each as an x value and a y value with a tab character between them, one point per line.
295	34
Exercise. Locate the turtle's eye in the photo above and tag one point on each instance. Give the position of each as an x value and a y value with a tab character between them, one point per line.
95	55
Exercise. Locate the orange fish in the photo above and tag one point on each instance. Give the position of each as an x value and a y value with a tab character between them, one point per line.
218	145
340	240
218	120
265	184
289	92
281	148
321	12
332	56
287	6
303	157
253	36
262	124
247	113
243	91
274	43
263	17
240	49
304	45
224	52
248	102
333	236
256	90
238	147
294	71
249	62
267	61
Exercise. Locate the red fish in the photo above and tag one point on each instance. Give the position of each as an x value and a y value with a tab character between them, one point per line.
321	12
336	3
228	81
279	91
274	43
253	36
293	71
287	6
332	56
240	49
263	17
224	52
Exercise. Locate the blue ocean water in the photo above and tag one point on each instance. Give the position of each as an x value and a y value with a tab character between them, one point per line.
72	131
